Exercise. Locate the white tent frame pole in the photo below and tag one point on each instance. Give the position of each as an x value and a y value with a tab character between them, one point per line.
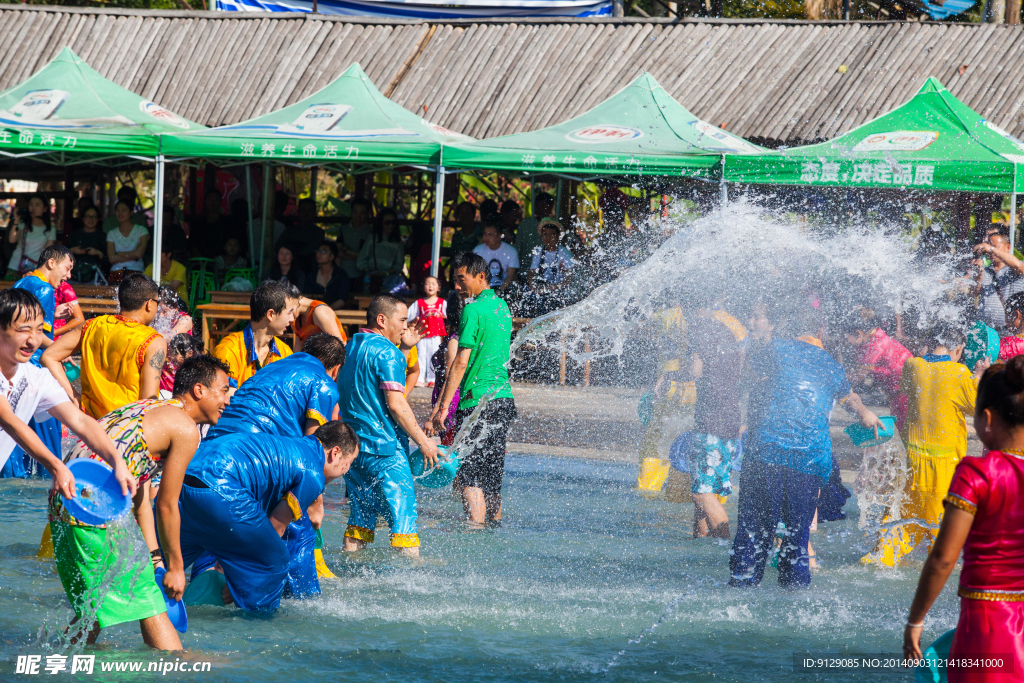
158	217
1013	219
268	211
435	247
248	202
723	189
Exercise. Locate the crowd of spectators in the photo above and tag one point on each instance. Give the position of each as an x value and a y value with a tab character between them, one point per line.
535	263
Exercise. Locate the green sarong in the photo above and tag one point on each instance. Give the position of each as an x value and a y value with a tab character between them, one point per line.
100	583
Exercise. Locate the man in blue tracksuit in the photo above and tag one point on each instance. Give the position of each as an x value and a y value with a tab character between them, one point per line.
240	493
372	385
290	397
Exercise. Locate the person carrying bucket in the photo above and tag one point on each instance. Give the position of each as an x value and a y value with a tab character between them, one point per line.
787	457
940	394
984	517
151	436
372	385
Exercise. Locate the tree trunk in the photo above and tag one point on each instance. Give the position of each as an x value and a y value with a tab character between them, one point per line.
1012	11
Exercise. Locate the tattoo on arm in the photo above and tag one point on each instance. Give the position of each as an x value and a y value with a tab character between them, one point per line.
157	361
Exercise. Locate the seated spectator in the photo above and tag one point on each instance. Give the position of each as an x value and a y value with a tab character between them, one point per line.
174	236
231	258
126	244
501	258
467	232
383	256
89	245
130	197
549	272
239	222
172	273
420	255
285	270
303	237
528	233
351	239
84	204
511	216
208	232
488	207
328	283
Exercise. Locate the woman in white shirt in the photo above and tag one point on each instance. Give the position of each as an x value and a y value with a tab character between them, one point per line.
383	256
126	243
31	237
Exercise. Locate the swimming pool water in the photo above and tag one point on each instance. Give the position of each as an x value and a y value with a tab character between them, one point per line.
580	565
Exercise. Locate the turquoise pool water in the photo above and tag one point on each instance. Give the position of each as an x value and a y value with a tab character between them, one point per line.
580	566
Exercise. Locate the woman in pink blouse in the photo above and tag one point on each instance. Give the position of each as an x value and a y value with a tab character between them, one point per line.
985	518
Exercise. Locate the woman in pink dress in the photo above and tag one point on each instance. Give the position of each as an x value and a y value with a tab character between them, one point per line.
985	518
879	356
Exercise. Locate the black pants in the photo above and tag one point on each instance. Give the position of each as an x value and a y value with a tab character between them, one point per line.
483	451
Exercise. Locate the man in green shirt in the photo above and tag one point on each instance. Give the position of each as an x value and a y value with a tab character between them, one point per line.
479	372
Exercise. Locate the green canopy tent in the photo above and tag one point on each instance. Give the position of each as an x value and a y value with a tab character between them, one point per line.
348	126
641	130
933	142
67	113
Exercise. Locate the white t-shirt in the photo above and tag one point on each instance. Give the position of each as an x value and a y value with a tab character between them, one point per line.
31	393
129	243
35	241
553	265
498	261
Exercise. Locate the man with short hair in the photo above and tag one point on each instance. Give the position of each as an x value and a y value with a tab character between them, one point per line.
999	281
240	494
152	436
27	390
122	356
372	384
502	259
271	310
479	372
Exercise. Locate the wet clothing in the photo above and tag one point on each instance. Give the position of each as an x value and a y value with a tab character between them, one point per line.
231	487
996	287
486	328
113	352
35	283
379	482
279	399
95	580
238	350
940	393
382	486
373	366
711	461
483	450
992	579
304	325
1010	347
796	386
63	295
717	410
884	357
770	494
32	392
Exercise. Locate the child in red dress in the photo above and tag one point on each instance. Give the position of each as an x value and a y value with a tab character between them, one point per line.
985	518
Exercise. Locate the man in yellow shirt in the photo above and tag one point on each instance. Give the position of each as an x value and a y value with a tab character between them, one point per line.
122	356
172	273
271	310
940	394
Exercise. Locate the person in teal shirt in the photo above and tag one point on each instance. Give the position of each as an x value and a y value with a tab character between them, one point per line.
480	373
372	389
